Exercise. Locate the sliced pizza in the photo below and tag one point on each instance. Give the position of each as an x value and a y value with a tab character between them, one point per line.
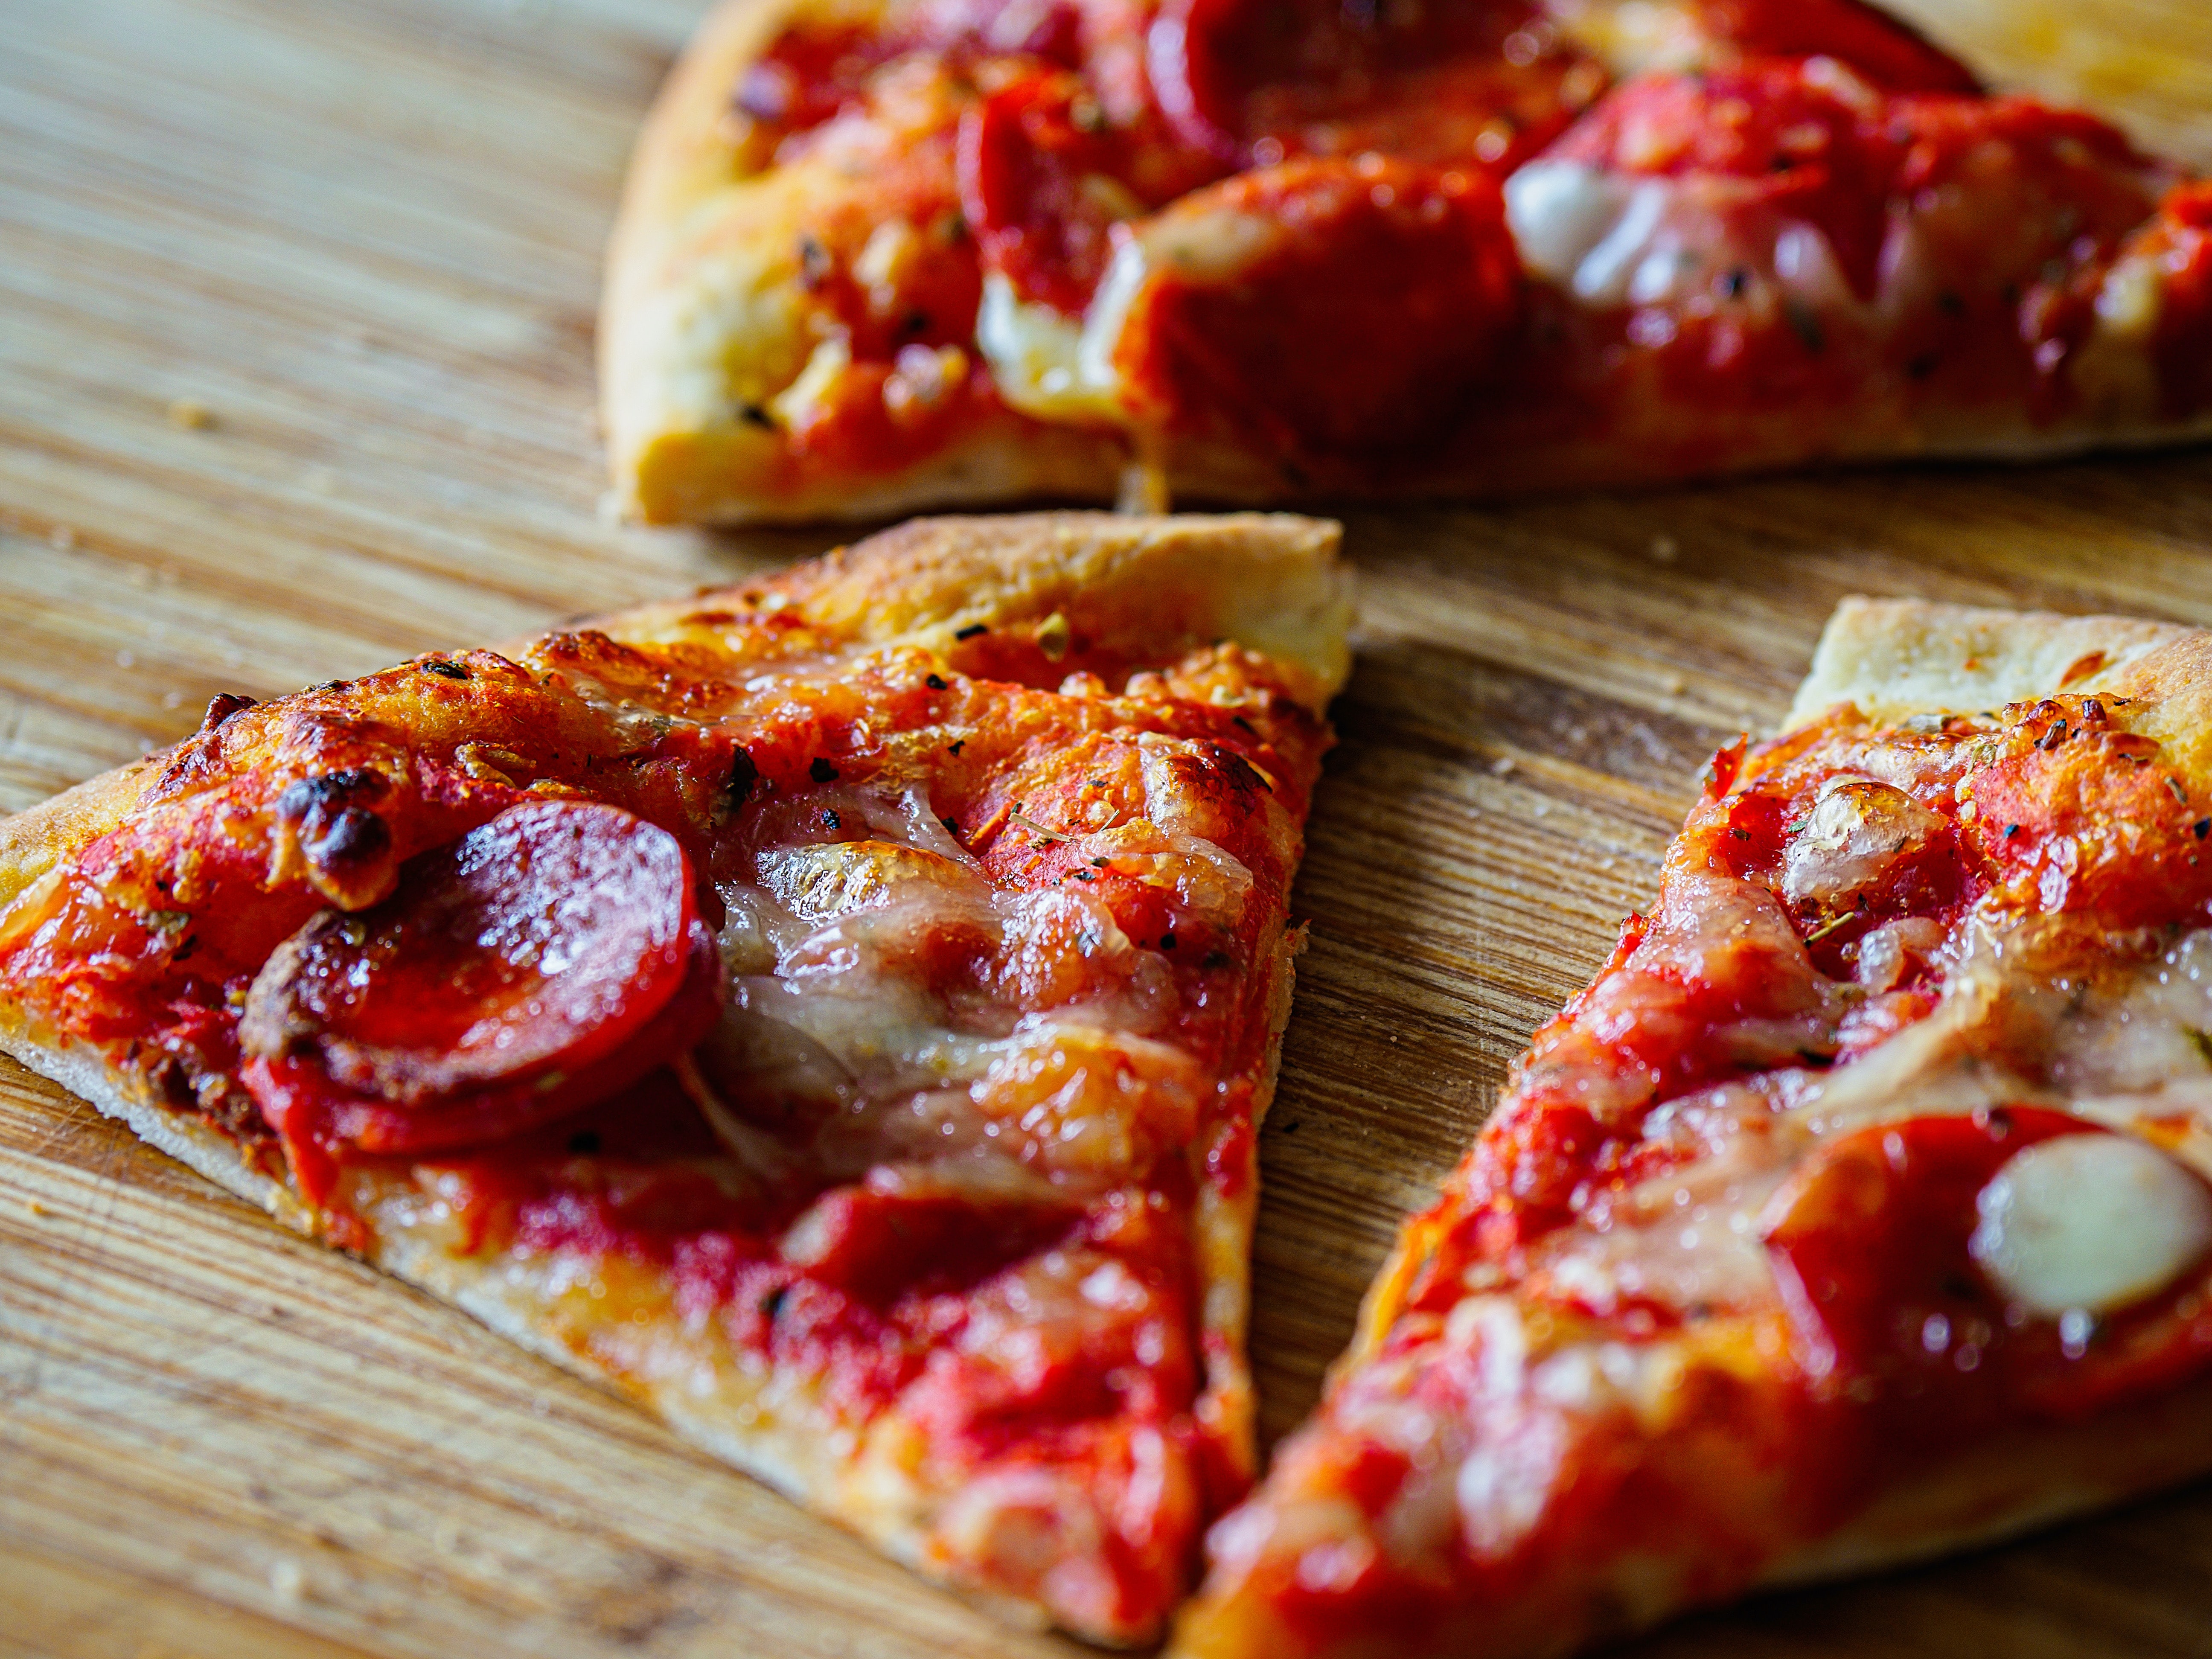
835	1010
879	253
1858	1210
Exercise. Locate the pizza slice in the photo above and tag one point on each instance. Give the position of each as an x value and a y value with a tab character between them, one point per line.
835	1010
1856	1211
879	253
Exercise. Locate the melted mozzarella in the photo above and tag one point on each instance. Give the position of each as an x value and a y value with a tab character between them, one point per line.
1036	357
795	406
816	883
1855	832
1057	368
2139	1031
1039	1061
1611	238
2089	1222
1559	211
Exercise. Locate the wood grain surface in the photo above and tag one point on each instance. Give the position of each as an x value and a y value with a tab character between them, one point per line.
296	309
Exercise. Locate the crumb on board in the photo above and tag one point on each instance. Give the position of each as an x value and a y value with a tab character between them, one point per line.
190	414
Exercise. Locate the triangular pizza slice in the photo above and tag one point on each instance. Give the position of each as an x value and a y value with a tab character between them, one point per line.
835	1009
1856	1211
876	254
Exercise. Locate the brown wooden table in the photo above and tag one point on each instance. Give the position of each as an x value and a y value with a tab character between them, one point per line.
296	311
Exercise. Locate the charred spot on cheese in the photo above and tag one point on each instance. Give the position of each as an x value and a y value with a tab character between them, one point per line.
221	707
445	669
332	818
745	774
353	837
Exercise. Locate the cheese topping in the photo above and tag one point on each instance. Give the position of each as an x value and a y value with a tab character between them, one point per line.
2090	1222
1058	368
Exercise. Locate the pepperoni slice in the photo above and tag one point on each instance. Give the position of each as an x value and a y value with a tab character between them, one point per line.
1872	1258
1383	292
535	965
1208	59
1876	45
1037	181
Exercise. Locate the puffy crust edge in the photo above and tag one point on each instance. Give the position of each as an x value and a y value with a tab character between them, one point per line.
1896	657
1271	582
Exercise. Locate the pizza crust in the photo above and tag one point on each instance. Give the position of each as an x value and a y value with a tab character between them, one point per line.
1892	659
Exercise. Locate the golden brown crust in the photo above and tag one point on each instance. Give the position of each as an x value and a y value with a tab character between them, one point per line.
1894	658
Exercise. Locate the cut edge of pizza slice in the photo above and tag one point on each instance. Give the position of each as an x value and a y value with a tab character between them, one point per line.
1857	1212
905	1346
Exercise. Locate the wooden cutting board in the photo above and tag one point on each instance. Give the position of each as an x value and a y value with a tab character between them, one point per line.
295	315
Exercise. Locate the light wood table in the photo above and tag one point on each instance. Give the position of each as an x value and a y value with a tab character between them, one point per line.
363	237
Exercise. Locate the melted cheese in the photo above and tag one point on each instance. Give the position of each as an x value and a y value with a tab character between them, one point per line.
1055	368
1857	833
2089	1222
1044	1067
1611	238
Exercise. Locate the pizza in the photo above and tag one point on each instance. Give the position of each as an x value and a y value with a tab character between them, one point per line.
876	254
835	1009
1858	1210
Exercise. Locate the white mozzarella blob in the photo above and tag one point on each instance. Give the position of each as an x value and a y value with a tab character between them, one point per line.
1557	211
1033	354
2089	1222
1604	274
1061	368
